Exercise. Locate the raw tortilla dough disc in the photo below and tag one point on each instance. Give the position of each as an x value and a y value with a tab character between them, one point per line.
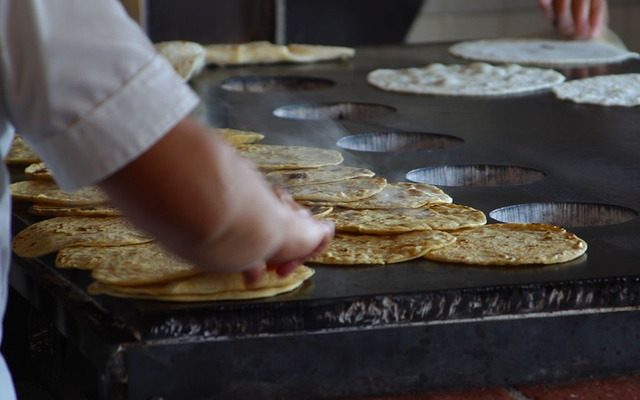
543	52
476	79
606	90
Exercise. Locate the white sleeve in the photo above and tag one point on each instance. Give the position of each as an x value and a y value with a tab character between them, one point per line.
85	87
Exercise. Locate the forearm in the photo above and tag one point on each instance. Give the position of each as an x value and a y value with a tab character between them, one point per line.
202	201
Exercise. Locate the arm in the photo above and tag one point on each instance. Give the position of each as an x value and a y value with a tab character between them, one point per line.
579	19
211	207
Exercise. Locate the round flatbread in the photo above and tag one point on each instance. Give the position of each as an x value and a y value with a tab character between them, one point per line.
38	171
398	195
263	52
312	176
53	234
20	153
476	79
349	249
272	157
209	287
187	58
543	52
348	190
399	220
47	192
134	265
606	90
236	136
45	210
511	244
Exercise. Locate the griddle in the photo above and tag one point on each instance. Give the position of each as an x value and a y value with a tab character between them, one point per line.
404	328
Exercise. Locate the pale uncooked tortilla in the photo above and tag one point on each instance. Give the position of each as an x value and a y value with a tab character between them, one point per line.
476	79
606	90
543	52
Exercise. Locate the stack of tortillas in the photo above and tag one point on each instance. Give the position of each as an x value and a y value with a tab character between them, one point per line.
123	261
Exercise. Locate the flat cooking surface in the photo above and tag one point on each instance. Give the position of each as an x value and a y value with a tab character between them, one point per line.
589	154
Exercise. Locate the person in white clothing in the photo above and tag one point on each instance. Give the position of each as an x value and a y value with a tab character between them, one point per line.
83	85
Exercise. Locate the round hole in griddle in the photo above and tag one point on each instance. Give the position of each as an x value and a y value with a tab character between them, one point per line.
475	175
353	111
564	214
261	84
397	141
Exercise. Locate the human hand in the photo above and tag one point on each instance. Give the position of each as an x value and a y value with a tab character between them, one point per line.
211	207
578	19
284	262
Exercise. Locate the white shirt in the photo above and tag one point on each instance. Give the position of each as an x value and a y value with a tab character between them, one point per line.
83	85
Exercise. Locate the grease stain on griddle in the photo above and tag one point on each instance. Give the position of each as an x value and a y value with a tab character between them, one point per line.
335	111
565	214
482	175
380	142
263	84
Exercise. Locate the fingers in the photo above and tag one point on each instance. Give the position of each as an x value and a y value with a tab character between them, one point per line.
598	17
562	18
547	7
254	274
306	237
580	13
578	19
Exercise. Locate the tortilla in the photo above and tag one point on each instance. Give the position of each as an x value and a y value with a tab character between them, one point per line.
542	52
38	171
347	190
605	90
46	192
187	58
53	234
348	249
209	287
332	173
80	211
263	52
236	136
133	265
511	244
476	79
20	153
320	211
398	195
384	221
272	157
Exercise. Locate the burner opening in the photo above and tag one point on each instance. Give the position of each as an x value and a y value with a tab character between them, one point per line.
564	214
338	111
261	84
397	141
475	175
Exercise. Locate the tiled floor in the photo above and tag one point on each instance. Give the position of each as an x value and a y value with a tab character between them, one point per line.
626	388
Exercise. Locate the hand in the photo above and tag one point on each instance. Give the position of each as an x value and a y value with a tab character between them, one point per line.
212	207
578	19
282	262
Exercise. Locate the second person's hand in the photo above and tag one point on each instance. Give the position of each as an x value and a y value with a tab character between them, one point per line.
578	19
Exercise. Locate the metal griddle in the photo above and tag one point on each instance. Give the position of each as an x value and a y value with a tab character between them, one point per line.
410	327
